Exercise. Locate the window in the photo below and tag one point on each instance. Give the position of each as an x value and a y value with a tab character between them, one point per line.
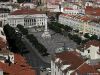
88	51
42	23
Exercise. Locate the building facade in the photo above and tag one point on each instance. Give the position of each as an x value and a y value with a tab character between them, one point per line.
71	8
90	50
3	15
27	18
72	63
81	23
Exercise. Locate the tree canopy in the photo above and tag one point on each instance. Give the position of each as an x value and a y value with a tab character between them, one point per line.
15	43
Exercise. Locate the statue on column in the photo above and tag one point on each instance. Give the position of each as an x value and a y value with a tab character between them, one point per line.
46	33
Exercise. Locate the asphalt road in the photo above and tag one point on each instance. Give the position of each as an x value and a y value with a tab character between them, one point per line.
33	57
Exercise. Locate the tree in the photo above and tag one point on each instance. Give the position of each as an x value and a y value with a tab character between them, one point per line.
15	43
20	1
70	36
37	45
4	0
32	38
77	39
94	37
84	41
22	29
86	35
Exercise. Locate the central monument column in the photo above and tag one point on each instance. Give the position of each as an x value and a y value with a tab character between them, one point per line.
46	33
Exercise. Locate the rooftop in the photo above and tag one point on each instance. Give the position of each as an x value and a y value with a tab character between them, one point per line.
71	58
19	68
26	11
73	61
92	11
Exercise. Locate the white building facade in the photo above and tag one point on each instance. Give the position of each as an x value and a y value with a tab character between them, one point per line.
27	18
3	15
82	23
72	8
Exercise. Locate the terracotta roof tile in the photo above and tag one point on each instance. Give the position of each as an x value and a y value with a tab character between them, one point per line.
78	64
19	68
85	69
70	58
26	11
68	8
92	42
92	11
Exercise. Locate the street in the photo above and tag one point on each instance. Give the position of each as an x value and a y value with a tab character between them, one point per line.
33	57
56	41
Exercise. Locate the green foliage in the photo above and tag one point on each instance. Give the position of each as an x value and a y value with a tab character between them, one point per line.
15	43
70	36
32	39
59	28
86	35
22	29
37	45
21	1
4	0
84	41
75	38
94	37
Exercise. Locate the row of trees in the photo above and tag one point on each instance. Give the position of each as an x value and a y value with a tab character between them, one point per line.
21	1
23	30
33	40
77	39
4	0
14	39
91	37
59	28
38	46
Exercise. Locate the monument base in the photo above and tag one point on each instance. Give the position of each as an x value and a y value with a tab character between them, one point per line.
46	34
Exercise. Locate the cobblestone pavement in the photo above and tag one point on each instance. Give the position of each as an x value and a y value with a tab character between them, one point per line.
56	41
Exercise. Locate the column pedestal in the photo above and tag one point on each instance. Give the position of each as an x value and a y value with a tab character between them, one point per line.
46	34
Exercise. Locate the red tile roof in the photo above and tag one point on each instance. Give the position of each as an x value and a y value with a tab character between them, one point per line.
26	11
92	42
85	18
92	11
68	8
85	68
70	58
78	64
19	68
